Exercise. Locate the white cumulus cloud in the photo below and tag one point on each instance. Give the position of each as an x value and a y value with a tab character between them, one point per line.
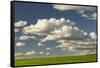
24	37
19	54
30	52
71	7
81	46
55	29
48	48
47	53
65	32
91	16
93	35
46	25
20	23
41	52
16	30
19	44
67	7
81	9
40	44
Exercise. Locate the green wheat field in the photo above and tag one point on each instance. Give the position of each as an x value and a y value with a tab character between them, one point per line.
55	60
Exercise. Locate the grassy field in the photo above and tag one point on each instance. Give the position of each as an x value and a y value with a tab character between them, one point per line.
55	60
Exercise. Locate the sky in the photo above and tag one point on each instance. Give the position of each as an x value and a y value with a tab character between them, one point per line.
54	30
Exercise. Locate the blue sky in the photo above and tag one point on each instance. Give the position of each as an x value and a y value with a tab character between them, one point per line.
31	12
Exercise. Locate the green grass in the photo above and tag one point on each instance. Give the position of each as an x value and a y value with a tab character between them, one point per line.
55	60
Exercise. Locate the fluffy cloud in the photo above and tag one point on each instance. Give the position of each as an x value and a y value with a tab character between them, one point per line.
66	7
55	29
72	32
41	26
81	9
93	35
30	52
48	48
24	37
40	44
84	15
48	53
66	32
41	52
19	54
91	16
20	23
69	36
71	7
49	37
86	52
46	26
86	46
19	44
16	30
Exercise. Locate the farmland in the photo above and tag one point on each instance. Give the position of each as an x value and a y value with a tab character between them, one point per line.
55	60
